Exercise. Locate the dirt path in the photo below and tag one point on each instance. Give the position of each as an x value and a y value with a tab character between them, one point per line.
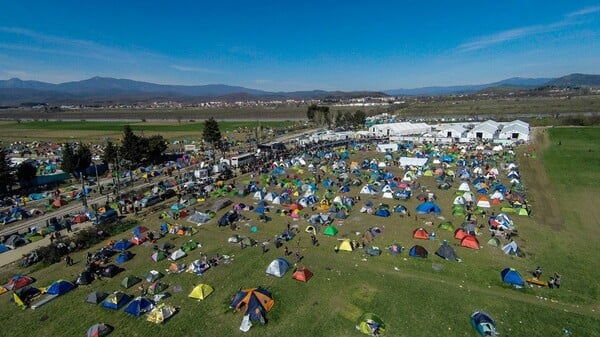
542	194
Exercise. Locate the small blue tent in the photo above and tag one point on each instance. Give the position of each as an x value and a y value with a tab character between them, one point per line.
418	251
512	277
124	256
382	212
139	306
60	287
116	300
483	323
122	245
3	248
428	207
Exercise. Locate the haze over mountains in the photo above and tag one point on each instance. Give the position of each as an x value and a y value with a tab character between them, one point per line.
105	89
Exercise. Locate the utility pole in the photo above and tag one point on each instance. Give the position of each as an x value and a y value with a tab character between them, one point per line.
118	179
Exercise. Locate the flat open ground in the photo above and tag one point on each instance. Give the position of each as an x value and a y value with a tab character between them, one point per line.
412	297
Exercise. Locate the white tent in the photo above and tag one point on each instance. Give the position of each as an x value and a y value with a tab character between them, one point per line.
367	189
176	255
464	187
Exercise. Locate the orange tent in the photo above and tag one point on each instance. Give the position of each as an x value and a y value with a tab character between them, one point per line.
420	233
460	234
302	274
469	241
58	203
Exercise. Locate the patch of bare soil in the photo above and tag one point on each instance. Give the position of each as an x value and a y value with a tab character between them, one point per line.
542	195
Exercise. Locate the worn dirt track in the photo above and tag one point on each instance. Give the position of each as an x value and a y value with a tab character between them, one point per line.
542	194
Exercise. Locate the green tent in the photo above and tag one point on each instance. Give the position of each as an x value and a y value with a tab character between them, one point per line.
157	288
447	225
370	324
189	246
330	231
458	211
523	211
130	281
494	242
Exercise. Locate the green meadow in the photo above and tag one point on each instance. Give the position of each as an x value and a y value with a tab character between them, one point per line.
414	297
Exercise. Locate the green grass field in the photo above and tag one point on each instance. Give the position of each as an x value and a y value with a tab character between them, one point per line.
409	294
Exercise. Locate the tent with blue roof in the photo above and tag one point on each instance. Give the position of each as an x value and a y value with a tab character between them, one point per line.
139	306
60	287
278	267
512	277
428	207
116	300
122	245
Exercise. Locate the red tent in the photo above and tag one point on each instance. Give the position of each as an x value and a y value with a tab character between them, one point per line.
80	218
302	274
18	282
59	202
460	234
469	241
420	233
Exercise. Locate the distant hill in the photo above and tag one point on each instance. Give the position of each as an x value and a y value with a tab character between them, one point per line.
464	89
576	80
105	89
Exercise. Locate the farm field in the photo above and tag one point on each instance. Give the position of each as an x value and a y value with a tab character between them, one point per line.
414	297
98	131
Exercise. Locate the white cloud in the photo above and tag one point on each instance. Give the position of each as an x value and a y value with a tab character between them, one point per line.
193	69
526	31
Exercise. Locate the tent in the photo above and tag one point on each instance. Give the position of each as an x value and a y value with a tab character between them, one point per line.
330	231
124	256
201	291
470	241
199	218
18	281
4	248
60	287
510	248
158	255
257	301
96	297
428	207
396	248
122	245
156	288
302	274
152	276
99	330
446	225
116	300
130	281
139	306
418	251
85	277
139	230
189	246
383	212
512	277
420	233
445	251
484	324
278	267
460	233
161	313
111	270
176	255
346	245
370	324
494	241
14	241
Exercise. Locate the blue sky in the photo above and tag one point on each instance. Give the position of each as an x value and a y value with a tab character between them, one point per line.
301	45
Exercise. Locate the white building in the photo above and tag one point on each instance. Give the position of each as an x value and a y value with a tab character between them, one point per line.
515	130
451	130
399	129
484	131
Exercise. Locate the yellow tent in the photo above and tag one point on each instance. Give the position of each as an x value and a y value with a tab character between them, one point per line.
161	313
201	291
346	245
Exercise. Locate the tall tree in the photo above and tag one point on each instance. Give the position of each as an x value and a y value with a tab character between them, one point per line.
110	153
156	146
211	133
83	158
131	149
26	172
6	176
68	160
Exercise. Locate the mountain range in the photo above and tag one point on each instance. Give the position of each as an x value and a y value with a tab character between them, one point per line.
105	90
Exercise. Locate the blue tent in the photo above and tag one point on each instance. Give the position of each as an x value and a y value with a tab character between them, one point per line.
60	287
116	300
382	212
327	183
428	207
500	188
483	323
124	256
3	248
418	251
139	306
344	189
260	210
512	277
400	209
122	245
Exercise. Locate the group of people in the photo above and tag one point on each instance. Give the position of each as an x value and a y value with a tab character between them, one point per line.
554	281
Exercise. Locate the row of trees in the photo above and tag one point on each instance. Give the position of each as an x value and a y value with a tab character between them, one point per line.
321	116
136	149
